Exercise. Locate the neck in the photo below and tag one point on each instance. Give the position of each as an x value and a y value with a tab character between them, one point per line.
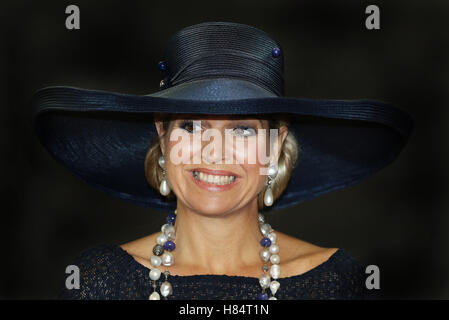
219	244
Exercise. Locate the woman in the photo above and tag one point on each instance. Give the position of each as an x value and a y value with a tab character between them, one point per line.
225	145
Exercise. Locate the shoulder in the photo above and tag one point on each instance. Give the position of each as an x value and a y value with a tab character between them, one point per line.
333	272
100	270
346	275
299	256
139	249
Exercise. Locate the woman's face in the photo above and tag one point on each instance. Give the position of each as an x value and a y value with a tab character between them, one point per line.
213	165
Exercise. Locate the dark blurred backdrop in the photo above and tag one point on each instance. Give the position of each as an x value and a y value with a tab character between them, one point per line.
397	219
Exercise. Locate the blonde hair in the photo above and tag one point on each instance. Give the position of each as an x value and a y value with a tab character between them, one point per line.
287	160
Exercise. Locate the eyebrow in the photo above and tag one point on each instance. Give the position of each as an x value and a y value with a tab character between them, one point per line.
189	116
237	119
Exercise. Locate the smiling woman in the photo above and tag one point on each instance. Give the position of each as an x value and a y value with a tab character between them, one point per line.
204	152
241	127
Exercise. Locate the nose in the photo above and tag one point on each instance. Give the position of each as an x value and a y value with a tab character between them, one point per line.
213	147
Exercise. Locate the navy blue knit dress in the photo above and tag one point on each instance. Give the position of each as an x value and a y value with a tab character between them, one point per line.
109	272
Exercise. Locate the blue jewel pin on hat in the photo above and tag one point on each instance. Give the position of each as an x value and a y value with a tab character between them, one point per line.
218	68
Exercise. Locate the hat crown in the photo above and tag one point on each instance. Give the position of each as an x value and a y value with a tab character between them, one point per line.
224	50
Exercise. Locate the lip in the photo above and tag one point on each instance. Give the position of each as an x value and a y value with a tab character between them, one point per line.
215	187
216	172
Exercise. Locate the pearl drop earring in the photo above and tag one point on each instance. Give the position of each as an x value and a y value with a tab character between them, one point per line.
164	188
272	172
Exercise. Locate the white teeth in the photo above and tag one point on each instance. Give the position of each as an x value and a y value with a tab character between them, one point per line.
213	179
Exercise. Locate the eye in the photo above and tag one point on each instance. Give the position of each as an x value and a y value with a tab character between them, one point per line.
244	131
191	126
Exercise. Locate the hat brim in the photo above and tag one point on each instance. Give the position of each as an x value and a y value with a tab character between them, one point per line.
103	137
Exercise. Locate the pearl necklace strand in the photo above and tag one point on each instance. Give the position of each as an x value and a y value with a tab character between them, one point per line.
162	256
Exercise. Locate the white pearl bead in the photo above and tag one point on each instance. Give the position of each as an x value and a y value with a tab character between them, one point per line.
161	239
164	189
268	197
155	296
274	286
166	289
272	237
265	229
265	254
161	162
155	261
274	248
272	298
264	281
167	259
155	274
169	231
275	271
275	259
272	171
164	227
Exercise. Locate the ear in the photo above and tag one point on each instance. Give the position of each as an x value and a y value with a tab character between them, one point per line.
282	134
161	133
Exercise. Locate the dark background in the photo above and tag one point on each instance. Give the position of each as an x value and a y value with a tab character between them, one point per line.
397	219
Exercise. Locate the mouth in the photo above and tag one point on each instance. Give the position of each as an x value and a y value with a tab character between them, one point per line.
214	180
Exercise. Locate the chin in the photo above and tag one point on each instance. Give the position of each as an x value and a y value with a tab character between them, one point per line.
210	206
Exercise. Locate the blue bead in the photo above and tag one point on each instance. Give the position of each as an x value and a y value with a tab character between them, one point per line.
276	52
263	296
169	245
162	66
171	218
265	242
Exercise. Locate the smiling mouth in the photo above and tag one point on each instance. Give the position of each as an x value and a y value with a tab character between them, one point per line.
218	180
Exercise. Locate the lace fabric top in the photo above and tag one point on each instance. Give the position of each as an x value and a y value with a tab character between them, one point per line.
107	272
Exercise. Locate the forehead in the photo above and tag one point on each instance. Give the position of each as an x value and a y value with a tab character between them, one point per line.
216	118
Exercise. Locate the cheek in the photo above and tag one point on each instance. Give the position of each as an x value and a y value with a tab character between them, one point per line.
176	154
179	147
254	181
253	151
253	156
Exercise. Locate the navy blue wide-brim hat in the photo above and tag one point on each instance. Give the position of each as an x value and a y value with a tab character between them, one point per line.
225	69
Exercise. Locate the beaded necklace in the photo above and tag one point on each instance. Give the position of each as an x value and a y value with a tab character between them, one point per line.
162	256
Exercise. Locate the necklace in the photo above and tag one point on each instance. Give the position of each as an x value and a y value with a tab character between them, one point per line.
163	257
